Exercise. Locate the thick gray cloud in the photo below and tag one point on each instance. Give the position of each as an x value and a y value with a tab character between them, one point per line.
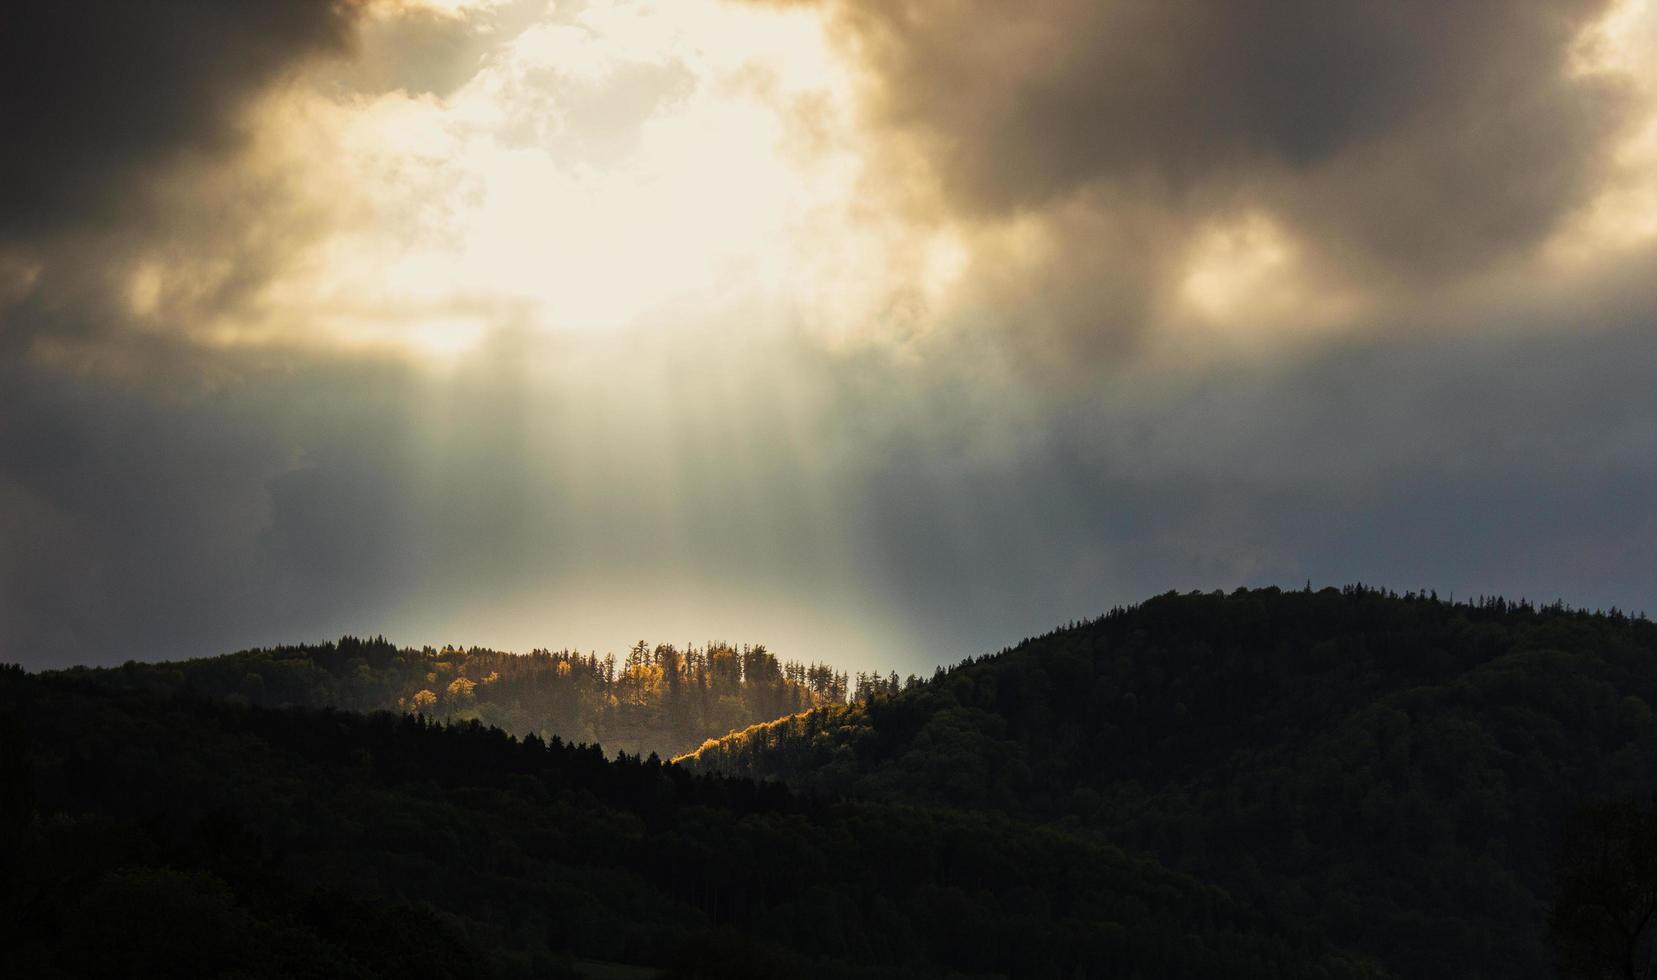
1426	137
129	477
99	95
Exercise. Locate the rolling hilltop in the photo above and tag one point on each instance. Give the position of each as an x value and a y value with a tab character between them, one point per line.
178	836
1389	771
1327	784
660	699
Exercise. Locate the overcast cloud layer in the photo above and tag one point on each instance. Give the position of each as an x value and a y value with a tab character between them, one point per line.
880	332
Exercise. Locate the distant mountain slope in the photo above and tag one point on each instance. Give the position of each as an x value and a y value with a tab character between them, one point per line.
658	699
1388	770
144	835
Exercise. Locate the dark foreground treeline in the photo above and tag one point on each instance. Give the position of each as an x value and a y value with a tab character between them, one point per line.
662	698
1388	771
175	836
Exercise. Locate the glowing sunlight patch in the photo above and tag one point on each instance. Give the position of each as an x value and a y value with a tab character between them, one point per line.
628	165
1623	216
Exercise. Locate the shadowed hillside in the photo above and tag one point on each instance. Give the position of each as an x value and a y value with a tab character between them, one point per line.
1387	770
178	836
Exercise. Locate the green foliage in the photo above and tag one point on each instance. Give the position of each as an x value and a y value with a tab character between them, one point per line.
659	699
1604	917
90	896
1386	770
1241	785
184	836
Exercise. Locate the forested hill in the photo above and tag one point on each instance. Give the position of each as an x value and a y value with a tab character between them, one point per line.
177	836
659	698
1387	770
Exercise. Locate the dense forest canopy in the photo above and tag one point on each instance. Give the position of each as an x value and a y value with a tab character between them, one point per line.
1262	783
661	698
1388	770
149	835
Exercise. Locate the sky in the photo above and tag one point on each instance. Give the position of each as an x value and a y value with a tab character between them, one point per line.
883	332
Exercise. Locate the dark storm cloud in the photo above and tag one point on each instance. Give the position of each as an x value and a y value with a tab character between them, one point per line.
1428	138
133	463
97	96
